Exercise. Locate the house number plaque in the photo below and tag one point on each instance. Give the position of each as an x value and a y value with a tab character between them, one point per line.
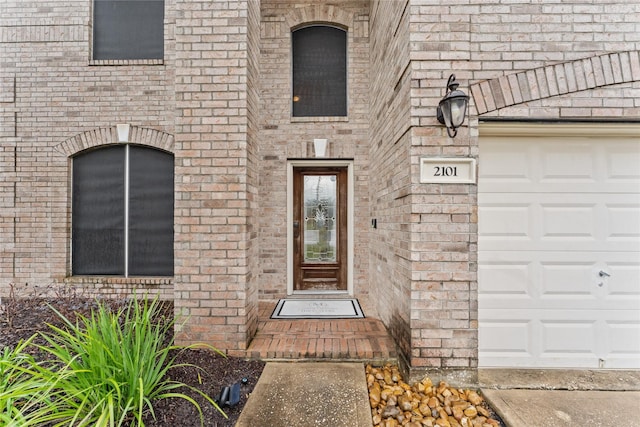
438	170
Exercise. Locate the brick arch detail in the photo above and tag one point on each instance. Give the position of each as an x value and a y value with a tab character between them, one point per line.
557	79
109	135
319	13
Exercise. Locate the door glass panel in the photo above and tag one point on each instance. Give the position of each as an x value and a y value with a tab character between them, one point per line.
319	218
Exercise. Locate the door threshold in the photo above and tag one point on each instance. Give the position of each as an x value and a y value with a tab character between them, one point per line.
319	294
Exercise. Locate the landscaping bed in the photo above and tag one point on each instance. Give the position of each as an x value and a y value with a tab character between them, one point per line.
21	318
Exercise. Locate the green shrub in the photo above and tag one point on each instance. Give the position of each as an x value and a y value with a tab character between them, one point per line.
108	369
26	387
16	385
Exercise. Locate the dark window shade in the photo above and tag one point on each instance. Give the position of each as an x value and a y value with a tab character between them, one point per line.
128	29
98	212
319	71
150	212
99	209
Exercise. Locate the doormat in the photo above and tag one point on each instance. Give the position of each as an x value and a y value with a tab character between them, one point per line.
317	309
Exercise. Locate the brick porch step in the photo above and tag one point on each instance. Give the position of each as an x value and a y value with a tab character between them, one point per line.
312	339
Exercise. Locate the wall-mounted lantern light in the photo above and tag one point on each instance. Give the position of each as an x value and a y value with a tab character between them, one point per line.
453	107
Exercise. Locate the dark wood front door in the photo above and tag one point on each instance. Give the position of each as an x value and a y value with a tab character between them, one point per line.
320	229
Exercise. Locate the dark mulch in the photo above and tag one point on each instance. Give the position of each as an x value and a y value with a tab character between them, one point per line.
20	318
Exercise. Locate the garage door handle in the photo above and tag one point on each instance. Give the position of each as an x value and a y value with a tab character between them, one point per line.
604	274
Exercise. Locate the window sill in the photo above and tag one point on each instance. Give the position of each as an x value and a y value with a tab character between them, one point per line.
319	119
118	280
121	62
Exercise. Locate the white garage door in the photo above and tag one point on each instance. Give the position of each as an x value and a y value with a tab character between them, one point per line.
559	251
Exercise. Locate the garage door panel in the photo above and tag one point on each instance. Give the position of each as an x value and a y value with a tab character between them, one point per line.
539	280
560	248
516	332
503	163
622	187
627	261
624	282
623	342
621	162
623	223
569	222
502	222
505	279
567	163
536	158
570	165
556	302
524	341
558	338
561	222
559	252
567	281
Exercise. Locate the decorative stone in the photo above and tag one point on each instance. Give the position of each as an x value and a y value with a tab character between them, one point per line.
370	380
386	392
392	400
390	412
457	413
474	398
471	412
395	403
482	411
404	402
442	387
424	408
374	395
433	402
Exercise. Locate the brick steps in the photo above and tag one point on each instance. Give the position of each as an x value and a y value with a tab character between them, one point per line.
311	339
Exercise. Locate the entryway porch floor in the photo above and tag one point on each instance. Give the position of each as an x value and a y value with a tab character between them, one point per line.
364	339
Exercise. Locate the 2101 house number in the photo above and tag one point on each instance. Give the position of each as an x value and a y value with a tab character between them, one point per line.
445	171
452	170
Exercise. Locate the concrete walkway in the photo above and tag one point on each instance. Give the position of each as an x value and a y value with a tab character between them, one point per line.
563	408
310	394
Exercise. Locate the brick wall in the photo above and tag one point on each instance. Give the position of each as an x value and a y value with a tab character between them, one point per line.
50	93
283	137
215	172
390	186
424	252
220	101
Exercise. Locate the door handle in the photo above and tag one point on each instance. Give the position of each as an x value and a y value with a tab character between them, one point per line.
603	274
296	229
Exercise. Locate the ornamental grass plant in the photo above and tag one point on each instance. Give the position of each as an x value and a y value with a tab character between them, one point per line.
26	387
18	384
103	370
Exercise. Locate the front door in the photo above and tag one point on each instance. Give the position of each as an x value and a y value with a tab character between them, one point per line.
320	228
